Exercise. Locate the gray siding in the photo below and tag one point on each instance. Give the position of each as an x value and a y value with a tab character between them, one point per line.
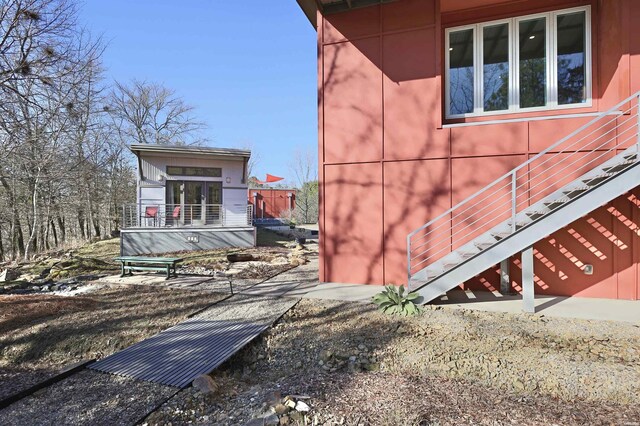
151	241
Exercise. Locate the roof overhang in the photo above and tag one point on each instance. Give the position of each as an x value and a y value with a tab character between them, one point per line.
190	151
328	7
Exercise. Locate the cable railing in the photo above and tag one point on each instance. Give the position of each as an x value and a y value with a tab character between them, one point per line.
558	165
153	215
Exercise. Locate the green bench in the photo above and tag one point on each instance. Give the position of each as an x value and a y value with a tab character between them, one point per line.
128	264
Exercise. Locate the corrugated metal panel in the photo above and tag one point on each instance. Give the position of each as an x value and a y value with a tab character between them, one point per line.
181	353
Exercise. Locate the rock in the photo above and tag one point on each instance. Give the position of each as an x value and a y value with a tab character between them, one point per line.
302	407
290	403
255	422
55	287
281	409
326	355
9	275
205	384
273	398
272	420
239	257
297	416
372	367
89	277
285	420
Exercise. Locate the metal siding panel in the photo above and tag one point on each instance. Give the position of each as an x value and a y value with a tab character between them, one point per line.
136	242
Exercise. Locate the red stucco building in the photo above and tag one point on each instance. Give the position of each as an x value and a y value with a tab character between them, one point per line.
422	103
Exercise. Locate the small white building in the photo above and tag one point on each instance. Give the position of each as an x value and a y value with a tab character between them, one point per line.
189	198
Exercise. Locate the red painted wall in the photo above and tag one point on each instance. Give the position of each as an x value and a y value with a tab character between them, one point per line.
271	202
387	164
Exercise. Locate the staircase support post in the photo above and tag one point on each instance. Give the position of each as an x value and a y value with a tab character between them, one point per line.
514	203
638	128
505	280
528	289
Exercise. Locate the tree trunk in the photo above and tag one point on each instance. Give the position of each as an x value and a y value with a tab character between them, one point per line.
53	231
1	246
34	224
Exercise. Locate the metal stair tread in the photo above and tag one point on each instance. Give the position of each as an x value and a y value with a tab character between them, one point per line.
489	239
612	171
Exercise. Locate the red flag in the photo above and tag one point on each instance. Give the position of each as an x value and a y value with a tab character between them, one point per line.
270	179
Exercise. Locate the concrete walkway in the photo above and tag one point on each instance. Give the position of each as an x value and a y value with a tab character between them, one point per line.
303	282
552	306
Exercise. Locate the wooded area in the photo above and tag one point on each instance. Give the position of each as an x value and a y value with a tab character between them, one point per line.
65	169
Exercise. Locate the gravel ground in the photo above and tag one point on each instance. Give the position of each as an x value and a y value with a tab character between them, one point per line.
263	310
16	379
380	399
94	398
41	334
87	398
447	366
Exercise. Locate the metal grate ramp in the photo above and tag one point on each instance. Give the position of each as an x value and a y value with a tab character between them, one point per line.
193	347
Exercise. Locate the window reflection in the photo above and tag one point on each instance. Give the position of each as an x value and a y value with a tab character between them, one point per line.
533	63
571	58
461	71
495	67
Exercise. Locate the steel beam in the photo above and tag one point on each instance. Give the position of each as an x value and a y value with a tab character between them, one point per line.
505	279
528	290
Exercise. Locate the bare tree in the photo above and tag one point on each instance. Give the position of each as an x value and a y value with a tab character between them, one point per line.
149	113
305	173
253	162
58	160
65	168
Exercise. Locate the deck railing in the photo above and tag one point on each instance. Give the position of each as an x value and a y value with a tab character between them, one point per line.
153	215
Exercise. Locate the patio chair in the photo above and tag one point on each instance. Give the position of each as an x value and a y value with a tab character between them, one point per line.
151	212
175	215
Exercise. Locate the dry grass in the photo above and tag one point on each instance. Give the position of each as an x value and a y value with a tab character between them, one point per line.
97	257
50	331
104	250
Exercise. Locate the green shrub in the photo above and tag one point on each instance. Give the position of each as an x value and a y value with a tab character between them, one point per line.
393	300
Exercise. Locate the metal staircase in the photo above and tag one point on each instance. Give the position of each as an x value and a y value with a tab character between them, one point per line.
579	173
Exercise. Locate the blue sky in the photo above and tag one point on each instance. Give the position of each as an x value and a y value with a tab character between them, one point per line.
249	67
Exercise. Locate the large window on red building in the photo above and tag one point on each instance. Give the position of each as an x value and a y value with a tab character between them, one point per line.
527	63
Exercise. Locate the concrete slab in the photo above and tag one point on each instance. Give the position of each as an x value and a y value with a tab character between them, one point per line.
552	306
344	292
287	284
303	282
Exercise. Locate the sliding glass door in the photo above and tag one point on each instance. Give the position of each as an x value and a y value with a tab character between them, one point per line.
194	203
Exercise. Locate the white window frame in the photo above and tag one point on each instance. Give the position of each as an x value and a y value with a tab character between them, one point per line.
514	77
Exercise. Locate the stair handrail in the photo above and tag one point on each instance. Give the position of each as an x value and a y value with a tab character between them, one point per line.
615	110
